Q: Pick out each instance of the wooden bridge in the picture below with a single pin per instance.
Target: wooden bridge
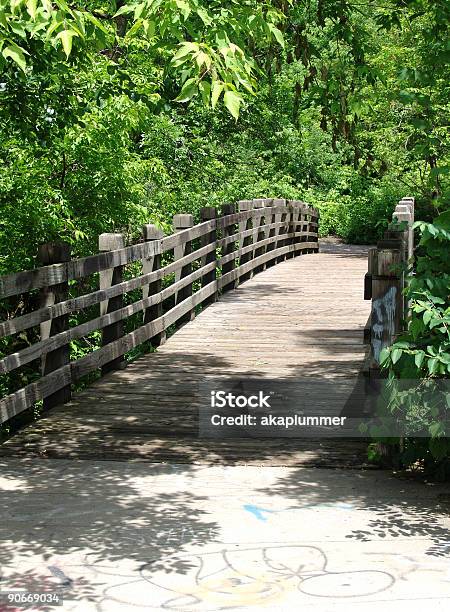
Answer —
(247, 294)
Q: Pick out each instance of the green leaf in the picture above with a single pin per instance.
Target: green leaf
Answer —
(443, 221)
(16, 53)
(232, 102)
(216, 90)
(184, 50)
(435, 429)
(432, 365)
(277, 34)
(66, 37)
(418, 359)
(396, 354)
(204, 16)
(427, 315)
(188, 91)
(384, 356)
(98, 24)
(32, 8)
(184, 7)
(124, 9)
(205, 90)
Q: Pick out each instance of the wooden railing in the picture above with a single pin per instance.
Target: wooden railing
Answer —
(161, 280)
(388, 268)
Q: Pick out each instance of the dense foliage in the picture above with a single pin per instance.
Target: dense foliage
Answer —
(113, 114)
(419, 361)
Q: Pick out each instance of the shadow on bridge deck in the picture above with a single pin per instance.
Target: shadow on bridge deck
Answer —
(300, 321)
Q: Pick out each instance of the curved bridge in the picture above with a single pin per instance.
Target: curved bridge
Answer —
(279, 308)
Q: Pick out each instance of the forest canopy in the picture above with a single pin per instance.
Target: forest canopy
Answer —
(113, 114)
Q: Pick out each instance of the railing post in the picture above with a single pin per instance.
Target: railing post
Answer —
(404, 212)
(271, 233)
(180, 223)
(228, 230)
(208, 213)
(151, 233)
(387, 299)
(51, 253)
(112, 276)
(282, 231)
(315, 216)
(265, 233)
(293, 220)
(258, 233)
(245, 205)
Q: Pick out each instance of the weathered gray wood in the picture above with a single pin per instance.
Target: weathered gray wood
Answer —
(387, 300)
(260, 223)
(244, 269)
(11, 362)
(124, 416)
(186, 233)
(245, 205)
(21, 282)
(151, 233)
(180, 224)
(259, 235)
(209, 213)
(113, 276)
(228, 243)
(280, 218)
(15, 403)
(51, 253)
(44, 314)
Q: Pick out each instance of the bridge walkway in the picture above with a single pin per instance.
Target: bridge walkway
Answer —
(301, 320)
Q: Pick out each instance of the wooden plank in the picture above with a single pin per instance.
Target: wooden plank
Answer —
(208, 213)
(11, 362)
(112, 276)
(51, 253)
(244, 205)
(242, 270)
(186, 233)
(44, 314)
(13, 404)
(228, 243)
(155, 311)
(17, 402)
(180, 223)
(22, 282)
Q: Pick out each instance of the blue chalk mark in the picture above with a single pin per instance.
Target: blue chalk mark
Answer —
(257, 511)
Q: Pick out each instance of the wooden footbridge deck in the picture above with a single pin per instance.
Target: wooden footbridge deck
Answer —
(246, 305)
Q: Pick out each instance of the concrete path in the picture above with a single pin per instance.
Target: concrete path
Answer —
(115, 536)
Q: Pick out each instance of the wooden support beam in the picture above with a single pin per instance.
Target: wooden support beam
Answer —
(228, 249)
(281, 218)
(153, 233)
(53, 253)
(108, 278)
(245, 205)
(387, 300)
(258, 233)
(208, 213)
(180, 223)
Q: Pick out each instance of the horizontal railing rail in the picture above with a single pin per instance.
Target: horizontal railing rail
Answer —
(161, 280)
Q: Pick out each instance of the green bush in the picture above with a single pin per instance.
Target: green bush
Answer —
(422, 353)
